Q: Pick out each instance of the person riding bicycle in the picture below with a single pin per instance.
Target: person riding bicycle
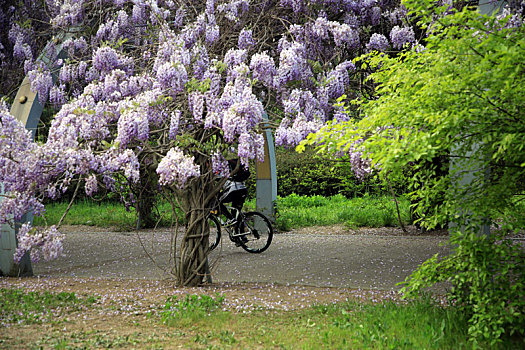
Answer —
(234, 189)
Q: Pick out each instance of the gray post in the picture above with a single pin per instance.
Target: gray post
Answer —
(266, 183)
(468, 170)
(27, 109)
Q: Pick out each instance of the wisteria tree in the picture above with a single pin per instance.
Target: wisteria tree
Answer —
(165, 91)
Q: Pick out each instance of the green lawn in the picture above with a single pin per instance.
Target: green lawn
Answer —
(199, 321)
(293, 212)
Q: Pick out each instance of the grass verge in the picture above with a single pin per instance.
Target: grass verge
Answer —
(302, 211)
(199, 322)
(293, 212)
(20, 307)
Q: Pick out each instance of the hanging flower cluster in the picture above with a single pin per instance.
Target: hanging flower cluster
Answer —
(180, 87)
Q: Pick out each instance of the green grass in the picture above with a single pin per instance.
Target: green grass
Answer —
(354, 324)
(100, 214)
(18, 306)
(199, 321)
(301, 211)
(293, 212)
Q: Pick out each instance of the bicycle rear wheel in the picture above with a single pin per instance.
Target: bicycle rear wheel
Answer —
(258, 233)
(215, 231)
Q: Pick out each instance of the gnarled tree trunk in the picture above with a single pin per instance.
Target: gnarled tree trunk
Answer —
(197, 200)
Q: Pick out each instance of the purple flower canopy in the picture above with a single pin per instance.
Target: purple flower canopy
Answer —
(180, 87)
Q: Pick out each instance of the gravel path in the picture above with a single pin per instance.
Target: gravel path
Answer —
(367, 259)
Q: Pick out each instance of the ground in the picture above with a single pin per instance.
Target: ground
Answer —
(123, 307)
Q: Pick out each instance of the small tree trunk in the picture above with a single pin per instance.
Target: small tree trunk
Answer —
(197, 198)
(145, 196)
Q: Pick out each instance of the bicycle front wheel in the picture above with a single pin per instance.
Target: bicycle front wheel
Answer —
(258, 233)
(215, 231)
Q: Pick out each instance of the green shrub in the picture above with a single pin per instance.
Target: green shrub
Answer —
(487, 274)
(308, 174)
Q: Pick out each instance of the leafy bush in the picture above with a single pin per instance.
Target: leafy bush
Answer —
(308, 174)
(487, 273)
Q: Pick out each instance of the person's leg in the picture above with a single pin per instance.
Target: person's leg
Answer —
(237, 203)
(238, 198)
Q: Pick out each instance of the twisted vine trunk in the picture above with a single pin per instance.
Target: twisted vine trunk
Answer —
(194, 247)
(197, 200)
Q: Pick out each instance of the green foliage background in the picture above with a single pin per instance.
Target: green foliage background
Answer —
(312, 174)
(462, 97)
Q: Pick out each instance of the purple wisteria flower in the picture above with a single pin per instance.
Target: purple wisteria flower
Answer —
(378, 42)
(47, 244)
(105, 59)
(41, 82)
(220, 165)
(263, 68)
(292, 64)
(246, 40)
(291, 133)
(91, 186)
(174, 124)
(176, 168)
(402, 36)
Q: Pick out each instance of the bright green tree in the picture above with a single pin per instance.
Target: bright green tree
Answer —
(461, 98)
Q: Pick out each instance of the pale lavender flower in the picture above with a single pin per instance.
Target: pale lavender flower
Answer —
(71, 14)
(321, 28)
(402, 36)
(57, 96)
(234, 57)
(219, 165)
(345, 34)
(202, 61)
(296, 5)
(74, 46)
(233, 9)
(179, 17)
(361, 166)
(139, 13)
(292, 64)
(176, 168)
(291, 133)
(250, 146)
(173, 76)
(174, 124)
(105, 59)
(129, 163)
(263, 68)
(212, 34)
(196, 104)
(302, 103)
(246, 40)
(378, 42)
(132, 125)
(47, 244)
(41, 82)
(91, 186)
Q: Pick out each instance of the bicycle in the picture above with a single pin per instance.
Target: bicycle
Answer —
(252, 230)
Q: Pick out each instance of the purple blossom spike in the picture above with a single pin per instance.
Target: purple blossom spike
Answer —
(402, 36)
(378, 42)
(246, 40)
(176, 168)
